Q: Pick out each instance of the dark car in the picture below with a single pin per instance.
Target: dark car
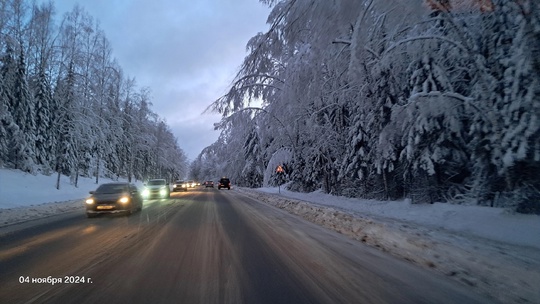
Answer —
(179, 185)
(114, 198)
(156, 188)
(224, 183)
(209, 184)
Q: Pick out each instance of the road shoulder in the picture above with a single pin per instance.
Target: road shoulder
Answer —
(507, 272)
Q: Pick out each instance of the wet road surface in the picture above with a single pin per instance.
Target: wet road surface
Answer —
(206, 246)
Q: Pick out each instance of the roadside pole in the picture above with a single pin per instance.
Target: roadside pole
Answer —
(279, 171)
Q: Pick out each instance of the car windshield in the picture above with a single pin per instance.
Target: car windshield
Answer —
(179, 181)
(156, 182)
(111, 188)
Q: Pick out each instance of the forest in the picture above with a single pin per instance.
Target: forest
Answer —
(66, 106)
(436, 101)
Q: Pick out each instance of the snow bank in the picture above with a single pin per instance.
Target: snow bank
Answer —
(26, 213)
(23, 189)
(497, 224)
(497, 266)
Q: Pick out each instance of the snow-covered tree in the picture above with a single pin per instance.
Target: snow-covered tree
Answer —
(505, 136)
(44, 135)
(66, 105)
(438, 103)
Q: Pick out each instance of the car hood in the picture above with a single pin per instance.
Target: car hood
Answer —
(108, 196)
(155, 186)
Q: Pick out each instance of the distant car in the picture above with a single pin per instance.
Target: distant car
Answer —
(156, 188)
(224, 183)
(209, 184)
(179, 185)
(114, 198)
(191, 184)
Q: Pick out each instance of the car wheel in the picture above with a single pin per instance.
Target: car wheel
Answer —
(229, 188)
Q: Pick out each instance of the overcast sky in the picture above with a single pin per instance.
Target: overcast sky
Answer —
(186, 52)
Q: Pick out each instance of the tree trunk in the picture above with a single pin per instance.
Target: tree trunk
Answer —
(97, 169)
(385, 181)
(58, 180)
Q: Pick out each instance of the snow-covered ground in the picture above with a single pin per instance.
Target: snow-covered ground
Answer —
(493, 250)
(24, 196)
(492, 223)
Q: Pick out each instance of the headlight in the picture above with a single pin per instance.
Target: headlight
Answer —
(162, 192)
(145, 192)
(90, 201)
(124, 200)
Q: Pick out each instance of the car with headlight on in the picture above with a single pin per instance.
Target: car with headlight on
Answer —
(179, 185)
(156, 188)
(191, 184)
(114, 198)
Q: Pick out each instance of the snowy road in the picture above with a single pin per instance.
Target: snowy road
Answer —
(206, 246)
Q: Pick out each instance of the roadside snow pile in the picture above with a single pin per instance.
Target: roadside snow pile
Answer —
(503, 270)
(26, 213)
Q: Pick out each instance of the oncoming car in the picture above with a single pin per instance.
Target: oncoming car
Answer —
(114, 198)
(156, 188)
(179, 185)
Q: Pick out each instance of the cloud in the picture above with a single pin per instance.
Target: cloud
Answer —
(195, 134)
(186, 52)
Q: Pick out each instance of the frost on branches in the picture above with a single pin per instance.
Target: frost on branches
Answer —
(66, 107)
(386, 99)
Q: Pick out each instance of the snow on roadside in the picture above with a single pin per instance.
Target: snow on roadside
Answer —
(492, 223)
(492, 250)
(26, 213)
(499, 267)
(24, 196)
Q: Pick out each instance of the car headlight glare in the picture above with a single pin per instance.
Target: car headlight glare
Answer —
(145, 192)
(124, 200)
(162, 192)
(90, 201)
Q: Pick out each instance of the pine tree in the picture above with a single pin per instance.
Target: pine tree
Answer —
(44, 134)
(65, 126)
(7, 126)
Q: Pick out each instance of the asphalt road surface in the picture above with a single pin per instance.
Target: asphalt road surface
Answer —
(205, 246)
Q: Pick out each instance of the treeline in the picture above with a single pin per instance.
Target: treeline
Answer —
(389, 99)
(66, 105)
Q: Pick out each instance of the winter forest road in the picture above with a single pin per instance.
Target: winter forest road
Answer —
(206, 246)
